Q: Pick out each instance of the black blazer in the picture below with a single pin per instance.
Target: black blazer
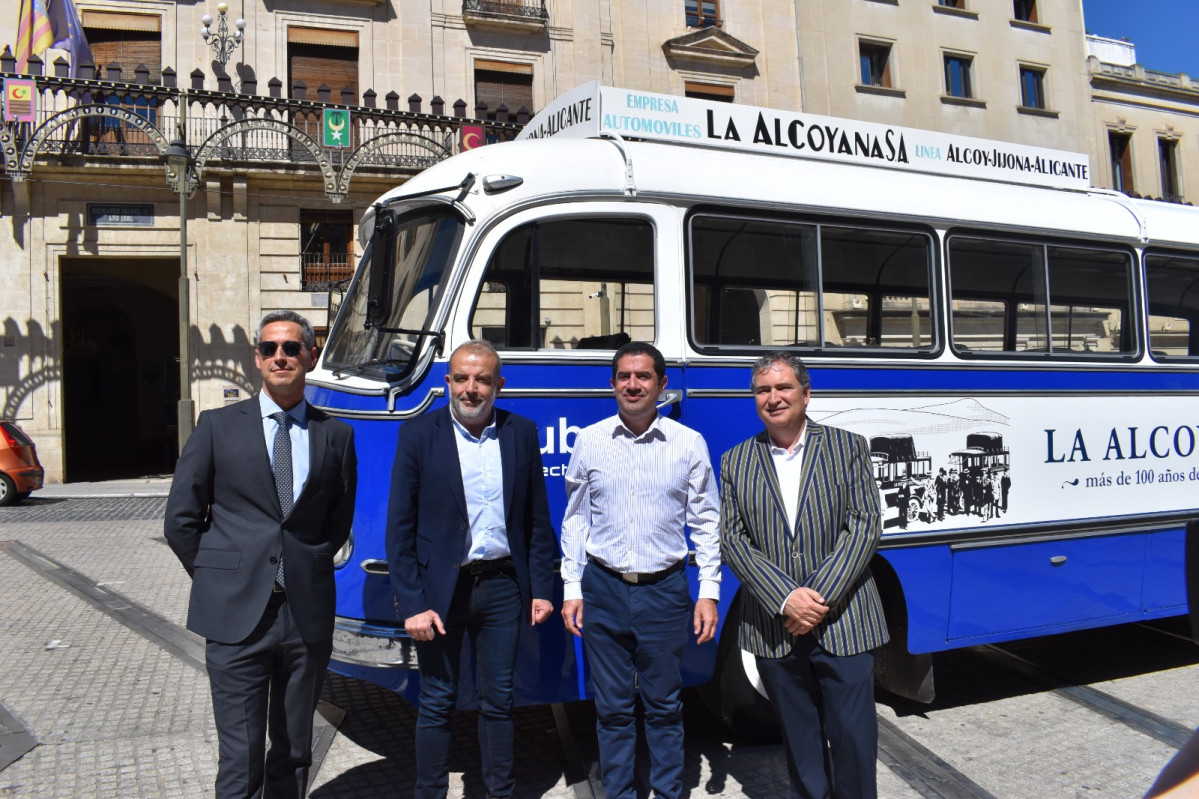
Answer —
(224, 522)
(427, 520)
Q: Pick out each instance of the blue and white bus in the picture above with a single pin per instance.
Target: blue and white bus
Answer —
(1020, 349)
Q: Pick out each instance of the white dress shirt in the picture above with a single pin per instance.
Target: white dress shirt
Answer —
(483, 482)
(788, 467)
(629, 497)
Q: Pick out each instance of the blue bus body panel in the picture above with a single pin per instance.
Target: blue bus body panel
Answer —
(1165, 574)
(954, 596)
(1030, 588)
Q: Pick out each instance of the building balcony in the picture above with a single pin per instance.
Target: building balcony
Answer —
(508, 16)
(94, 122)
(321, 272)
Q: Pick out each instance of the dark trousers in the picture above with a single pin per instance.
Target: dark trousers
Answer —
(634, 636)
(268, 684)
(489, 608)
(825, 707)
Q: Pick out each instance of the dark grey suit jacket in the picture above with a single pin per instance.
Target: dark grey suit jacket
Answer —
(224, 522)
(838, 528)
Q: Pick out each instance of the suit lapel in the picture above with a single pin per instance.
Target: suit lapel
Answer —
(318, 446)
(507, 438)
(451, 468)
(766, 467)
(813, 452)
(251, 433)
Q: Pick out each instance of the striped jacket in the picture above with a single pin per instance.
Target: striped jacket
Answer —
(839, 525)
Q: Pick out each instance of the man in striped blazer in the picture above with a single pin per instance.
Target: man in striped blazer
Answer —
(800, 521)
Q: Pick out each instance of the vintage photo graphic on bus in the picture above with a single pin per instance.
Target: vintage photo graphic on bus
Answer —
(942, 464)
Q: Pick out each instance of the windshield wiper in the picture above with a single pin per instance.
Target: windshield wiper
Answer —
(372, 364)
(438, 335)
(463, 189)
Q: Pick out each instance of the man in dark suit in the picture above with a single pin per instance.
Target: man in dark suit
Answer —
(262, 499)
(470, 549)
(800, 521)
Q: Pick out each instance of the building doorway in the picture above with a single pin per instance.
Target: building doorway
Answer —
(120, 366)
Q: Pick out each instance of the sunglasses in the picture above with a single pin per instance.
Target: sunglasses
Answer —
(290, 348)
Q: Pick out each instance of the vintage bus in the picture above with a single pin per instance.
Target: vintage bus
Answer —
(942, 291)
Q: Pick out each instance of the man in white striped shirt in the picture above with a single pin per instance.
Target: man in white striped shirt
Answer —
(634, 483)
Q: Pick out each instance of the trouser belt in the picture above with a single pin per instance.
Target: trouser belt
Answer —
(478, 567)
(640, 578)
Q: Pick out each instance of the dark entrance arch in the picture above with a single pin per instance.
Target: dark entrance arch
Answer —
(120, 366)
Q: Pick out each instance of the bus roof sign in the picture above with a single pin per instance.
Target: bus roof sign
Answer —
(592, 110)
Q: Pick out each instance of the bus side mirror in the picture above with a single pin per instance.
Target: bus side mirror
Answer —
(382, 270)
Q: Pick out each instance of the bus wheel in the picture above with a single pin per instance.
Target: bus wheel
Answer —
(735, 693)
(913, 510)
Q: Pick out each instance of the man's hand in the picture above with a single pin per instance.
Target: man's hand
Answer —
(803, 610)
(706, 616)
(423, 626)
(542, 608)
(572, 614)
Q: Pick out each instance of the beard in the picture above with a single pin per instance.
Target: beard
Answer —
(468, 415)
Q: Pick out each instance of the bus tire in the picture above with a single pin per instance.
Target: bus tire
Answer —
(735, 694)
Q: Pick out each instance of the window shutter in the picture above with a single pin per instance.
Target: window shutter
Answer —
(511, 86)
(318, 64)
(128, 48)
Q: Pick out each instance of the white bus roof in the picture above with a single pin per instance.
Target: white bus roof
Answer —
(574, 168)
(593, 110)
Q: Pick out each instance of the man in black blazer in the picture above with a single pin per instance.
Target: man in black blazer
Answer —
(800, 521)
(470, 550)
(262, 499)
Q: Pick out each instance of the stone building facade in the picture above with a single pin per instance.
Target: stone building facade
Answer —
(90, 233)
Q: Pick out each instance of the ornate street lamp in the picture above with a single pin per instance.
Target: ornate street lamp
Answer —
(179, 161)
(221, 42)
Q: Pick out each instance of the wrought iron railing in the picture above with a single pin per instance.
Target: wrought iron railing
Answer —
(534, 9)
(240, 127)
(320, 272)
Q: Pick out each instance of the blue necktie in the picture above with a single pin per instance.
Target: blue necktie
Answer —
(282, 466)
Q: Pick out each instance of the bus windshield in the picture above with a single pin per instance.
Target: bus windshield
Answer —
(425, 243)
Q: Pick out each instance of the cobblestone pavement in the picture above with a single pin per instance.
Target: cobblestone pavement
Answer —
(115, 713)
(103, 694)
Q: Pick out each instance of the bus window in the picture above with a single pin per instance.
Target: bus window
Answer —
(756, 279)
(1173, 287)
(1016, 297)
(569, 284)
(1091, 291)
(876, 287)
(770, 283)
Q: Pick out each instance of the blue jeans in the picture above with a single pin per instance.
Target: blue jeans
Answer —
(634, 636)
(489, 608)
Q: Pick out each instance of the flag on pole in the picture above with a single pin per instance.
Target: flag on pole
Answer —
(68, 33)
(34, 34)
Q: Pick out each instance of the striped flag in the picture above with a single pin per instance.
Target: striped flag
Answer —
(34, 34)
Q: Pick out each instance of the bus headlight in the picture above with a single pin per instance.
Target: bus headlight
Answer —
(342, 556)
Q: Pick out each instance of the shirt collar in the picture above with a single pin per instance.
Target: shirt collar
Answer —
(488, 432)
(269, 407)
(654, 430)
(796, 448)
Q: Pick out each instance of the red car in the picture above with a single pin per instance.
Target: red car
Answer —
(20, 472)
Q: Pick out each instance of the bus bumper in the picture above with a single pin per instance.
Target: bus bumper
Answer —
(362, 644)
